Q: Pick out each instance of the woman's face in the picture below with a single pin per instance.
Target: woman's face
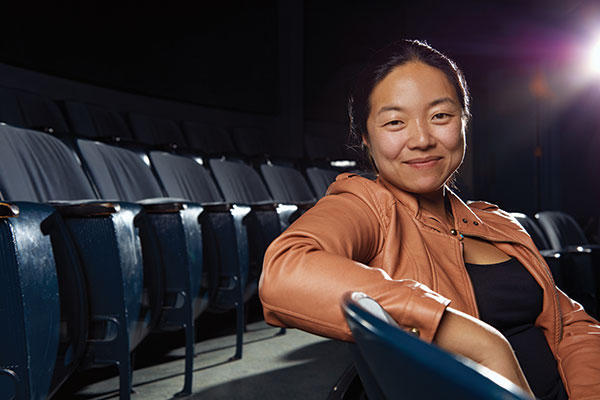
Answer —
(416, 135)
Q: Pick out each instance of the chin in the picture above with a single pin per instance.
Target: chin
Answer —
(426, 187)
(421, 189)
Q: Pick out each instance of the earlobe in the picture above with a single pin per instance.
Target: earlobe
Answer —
(364, 142)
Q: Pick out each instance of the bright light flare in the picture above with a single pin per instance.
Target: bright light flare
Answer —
(593, 57)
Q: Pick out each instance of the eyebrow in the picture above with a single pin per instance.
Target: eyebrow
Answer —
(432, 104)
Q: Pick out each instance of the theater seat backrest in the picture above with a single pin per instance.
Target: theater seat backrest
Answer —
(108, 123)
(287, 184)
(41, 112)
(251, 141)
(538, 237)
(119, 174)
(10, 112)
(38, 167)
(320, 179)
(239, 183)
(185, 178)
(382, 349)
(561, 229)
(80, 120)
(30, 307)
(156, 131)
(207, 138)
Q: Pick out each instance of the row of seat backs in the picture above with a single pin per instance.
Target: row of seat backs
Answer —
(573, 262)
(53, 173)
(95, 122)
(554, 230)
(29, 110)
(40, 168)
(121, 174)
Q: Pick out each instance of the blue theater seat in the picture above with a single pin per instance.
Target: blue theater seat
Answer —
(223, 230)
(10, 112)
(553, 258)
(581, 275)
(252, 142)
(241, 184)
(173, 235)
(88, 120)
(561, 230)
(287, 185)
(30, 314)
(571, 269)
(320, 179)
(393, 364)
(325, 142)
(185, 178)
(325, 145)
(276, 162)
(157, 132)
(537, 235)
(124, 174)
(80, 120)
(37, 167)
(207, 139)
(41, 113)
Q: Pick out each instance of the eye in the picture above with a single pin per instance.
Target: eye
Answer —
(441, 116)
(395, 122)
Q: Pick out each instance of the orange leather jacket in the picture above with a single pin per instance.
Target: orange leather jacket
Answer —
(372, 237)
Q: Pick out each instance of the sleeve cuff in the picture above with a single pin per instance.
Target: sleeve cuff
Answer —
(423, 311)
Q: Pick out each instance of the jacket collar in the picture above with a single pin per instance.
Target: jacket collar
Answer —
(466, 221)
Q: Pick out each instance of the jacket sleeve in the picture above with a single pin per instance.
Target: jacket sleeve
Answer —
(324, 255)
(579, 350)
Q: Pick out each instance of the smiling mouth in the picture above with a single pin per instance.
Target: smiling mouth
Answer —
(423, 162)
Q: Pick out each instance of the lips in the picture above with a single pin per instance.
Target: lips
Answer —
(423, 161)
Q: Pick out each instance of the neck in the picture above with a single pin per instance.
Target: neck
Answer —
(435, 203)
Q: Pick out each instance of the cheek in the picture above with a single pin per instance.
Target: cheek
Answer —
(387, 144)
(452, 137)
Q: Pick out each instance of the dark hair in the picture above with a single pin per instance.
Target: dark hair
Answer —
(381, 64)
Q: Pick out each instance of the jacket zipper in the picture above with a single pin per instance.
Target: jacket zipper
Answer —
(556, 299)
(466, 274)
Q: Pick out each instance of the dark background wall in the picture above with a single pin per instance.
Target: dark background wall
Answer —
(534, 135)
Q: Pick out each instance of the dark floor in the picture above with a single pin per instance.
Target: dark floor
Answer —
(296, 365)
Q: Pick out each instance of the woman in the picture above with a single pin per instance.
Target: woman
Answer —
(410, 243)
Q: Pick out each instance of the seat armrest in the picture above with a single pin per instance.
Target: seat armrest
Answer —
(584, 248)
(85, 209)
(217, 207)
(552, 253)
(305, 205)
(264, 207)
(164, 208)
(8, 210)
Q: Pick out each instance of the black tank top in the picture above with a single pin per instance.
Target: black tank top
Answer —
(509, 299)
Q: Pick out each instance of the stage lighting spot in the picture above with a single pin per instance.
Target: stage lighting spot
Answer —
(594, 57)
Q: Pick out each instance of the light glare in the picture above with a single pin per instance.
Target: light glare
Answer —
(593, 62)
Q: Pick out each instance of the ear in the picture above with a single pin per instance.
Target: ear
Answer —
(365, 142)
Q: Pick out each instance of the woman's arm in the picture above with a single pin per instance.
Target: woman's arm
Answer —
(323, 255)
(578, 352)
(462, 334)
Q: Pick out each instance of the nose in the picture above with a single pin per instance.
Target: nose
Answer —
(420, 137)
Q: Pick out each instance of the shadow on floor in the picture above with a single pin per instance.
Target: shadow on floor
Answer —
(313, 379)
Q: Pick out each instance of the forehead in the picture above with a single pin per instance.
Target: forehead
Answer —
(412, 84)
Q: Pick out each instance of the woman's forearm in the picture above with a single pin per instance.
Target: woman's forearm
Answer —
(462, 334)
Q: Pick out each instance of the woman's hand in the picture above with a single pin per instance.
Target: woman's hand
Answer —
(462, 334)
